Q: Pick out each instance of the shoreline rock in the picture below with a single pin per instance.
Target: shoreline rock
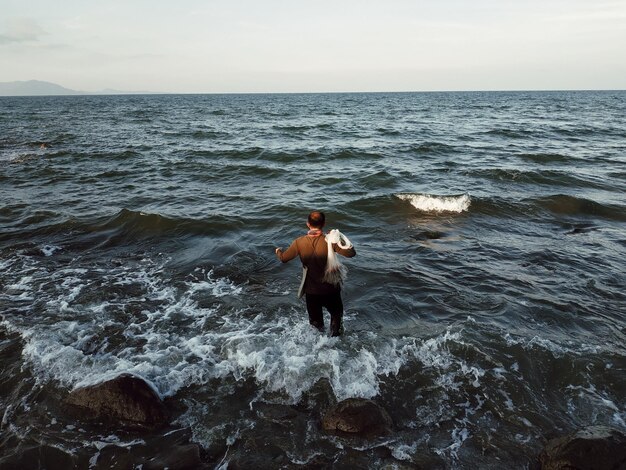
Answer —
(593, 447)
(357, 417)
(127, 399)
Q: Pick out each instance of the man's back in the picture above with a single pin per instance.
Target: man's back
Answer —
(313, 252)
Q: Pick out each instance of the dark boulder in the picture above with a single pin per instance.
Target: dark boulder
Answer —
(172, 450)
(27, 455)
(357, 417)
(590, 448)
(180, 457)
(127, 399)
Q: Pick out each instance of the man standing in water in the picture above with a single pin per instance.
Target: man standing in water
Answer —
(313, 252)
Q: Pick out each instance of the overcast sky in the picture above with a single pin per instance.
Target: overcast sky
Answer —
(215, 46)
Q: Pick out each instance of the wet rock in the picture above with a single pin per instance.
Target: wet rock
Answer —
(593, 447)
(259, 454)
(358, 417)
(180, 457)
(31, 455)
(126, 399)
(319, 397)
(172, 450)
(177, 452)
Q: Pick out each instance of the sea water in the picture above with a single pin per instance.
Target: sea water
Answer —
(484, 309)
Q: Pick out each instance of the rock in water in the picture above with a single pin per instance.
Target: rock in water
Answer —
(359, 417)
(126, 398)
(593, 447)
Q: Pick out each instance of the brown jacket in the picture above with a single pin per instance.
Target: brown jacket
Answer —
(313, 252)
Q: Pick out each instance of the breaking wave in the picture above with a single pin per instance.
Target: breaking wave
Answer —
(180, 334)
(431, 203)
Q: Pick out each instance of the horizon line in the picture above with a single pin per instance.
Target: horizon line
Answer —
(164, 93)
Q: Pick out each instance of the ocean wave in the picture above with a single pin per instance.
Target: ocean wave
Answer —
(277, 156)
(563, 204)
(579, 133)
(375, 206)
(253, 171)
(544, 177)
(353, 153)
(78, 155)
(126, 225)
(545, 157)
(300, 128)
(430, 148)
(558, 204)
(206, 134)
(387, 131)
(377, 179)
(142, 224)
(8, 142)
(510, 133)
(432, 203)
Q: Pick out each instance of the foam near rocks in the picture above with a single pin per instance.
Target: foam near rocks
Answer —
(175, 341)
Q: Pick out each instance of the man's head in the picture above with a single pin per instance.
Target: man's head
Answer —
(316, 219)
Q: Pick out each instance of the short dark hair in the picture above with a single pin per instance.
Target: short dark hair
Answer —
(317, 219)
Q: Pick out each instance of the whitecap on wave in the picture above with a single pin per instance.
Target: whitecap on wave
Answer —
(432, 203)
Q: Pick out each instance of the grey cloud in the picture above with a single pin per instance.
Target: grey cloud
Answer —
(20, 30)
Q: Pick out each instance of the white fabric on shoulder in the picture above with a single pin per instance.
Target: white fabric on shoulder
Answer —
(336, 273)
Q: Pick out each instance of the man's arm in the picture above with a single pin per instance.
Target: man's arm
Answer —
(347, 252)
(288, 255)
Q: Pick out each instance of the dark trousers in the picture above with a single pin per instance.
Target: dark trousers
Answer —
(332, 303)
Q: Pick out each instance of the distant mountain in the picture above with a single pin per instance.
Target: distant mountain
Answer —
(39, 88)
(34, 88)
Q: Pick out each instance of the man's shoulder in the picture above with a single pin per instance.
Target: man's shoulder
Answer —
(306, 239)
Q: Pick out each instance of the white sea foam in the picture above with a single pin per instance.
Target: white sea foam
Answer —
(579, 398)
(458, 436)
(289, 357)
(6, 263)
(403, 451)
(432, 203)
(507, 400)
(24, 284)
(567, 347)
(49, 250)
(219, 287)
(170, 346)
(178, 341)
